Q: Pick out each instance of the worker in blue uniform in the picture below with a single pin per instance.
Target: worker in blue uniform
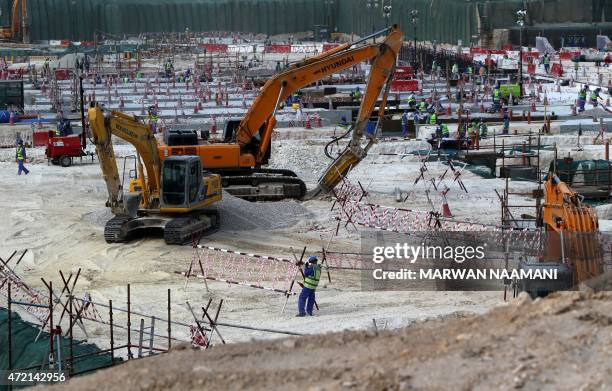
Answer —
(405, 123)
(20, 156)
(312, 275)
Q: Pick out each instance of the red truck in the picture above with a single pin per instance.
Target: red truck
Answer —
(61, 149)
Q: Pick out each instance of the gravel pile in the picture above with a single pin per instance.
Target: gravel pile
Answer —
(240, 215)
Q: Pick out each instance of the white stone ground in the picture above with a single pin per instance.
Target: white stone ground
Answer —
(58, 214)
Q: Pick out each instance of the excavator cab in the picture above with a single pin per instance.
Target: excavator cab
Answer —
(185, 186)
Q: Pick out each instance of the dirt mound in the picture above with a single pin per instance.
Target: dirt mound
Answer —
(561, 342)
(240, 215)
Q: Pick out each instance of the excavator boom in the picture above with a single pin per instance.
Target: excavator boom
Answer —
(302, 74)
(139, 135)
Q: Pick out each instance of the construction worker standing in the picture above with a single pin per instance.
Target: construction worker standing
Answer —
(482, 127)
(312, 275)
(153, 118)
(582, 97)
(405, 123)
(411, 101)
(506, 128)
(433, 119)
(423, 106)
(455, 71)
(20, 156)
(496, 98)
(357, 94)
(445, 131)
(546, 62)
(595, 96)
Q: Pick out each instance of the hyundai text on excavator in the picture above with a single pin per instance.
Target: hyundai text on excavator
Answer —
(173, 195)
(571, 241)
(246, 144)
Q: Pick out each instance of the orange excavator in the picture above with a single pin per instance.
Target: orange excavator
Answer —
(19, 27)
(246, 146)
(572, 244)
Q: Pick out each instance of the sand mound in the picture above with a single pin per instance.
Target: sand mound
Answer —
(561, 343)
(240, 215)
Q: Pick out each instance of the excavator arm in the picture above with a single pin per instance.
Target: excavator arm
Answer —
(381, 73)
(261, 116)
(139, 135)
(572, 230)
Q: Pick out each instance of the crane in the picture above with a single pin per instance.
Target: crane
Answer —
(245, 147)
(174, 195)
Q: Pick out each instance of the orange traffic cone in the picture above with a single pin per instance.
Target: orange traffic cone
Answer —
(307, 122)
(317, 120)
(448, 109)
(195, 108)
(446, 212)
(213, 127)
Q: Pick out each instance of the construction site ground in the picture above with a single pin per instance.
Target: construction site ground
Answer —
(563, 342)
(59, 215)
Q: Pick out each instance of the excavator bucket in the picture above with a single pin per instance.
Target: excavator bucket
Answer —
(335, 172)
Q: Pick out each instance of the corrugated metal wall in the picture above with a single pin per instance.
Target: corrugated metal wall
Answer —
(440, 20)
(78, 19)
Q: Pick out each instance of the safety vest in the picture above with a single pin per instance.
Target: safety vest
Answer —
(594, 96)
(357, 94)
(153, 117)
(445, 132)
(433, 119)
(311, 282)
(546, 60)
(410, 100)
(455, 68)
(496, 94)
(20, 153)
(469, 70)
(422, 107)
(582, 94)
(474, 128)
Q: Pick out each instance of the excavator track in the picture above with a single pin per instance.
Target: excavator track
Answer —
(181, 230)
(262, 184)
(265, 187)
(113, 232)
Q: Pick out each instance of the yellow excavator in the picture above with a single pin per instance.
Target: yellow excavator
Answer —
(245, 147)
(571, 245)
(174, 195)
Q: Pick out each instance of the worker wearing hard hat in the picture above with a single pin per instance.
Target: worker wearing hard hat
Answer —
(20, 156)
(312, 275)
